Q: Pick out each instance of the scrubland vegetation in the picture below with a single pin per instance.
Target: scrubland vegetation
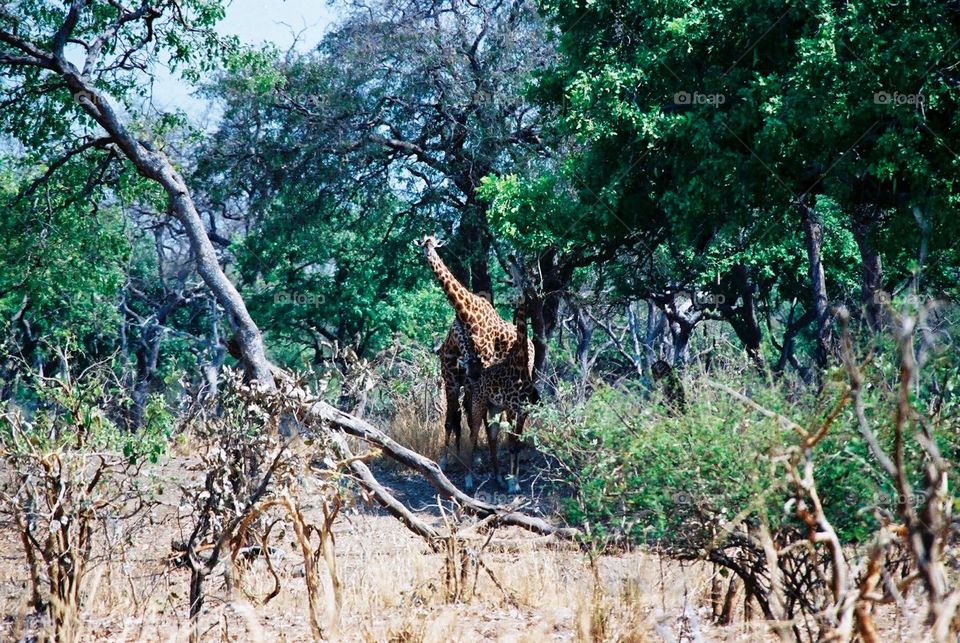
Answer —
(732, 227)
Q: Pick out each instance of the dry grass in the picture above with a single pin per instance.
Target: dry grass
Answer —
(418, 425)
(393, 589)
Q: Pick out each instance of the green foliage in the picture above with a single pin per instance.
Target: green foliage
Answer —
(66, 193)
(537, 213)
(641, 473)
(42, 115)
(696, 128)
(314, 278)
(84, 411)
(338, 159)
(64, 260)
(154, 436)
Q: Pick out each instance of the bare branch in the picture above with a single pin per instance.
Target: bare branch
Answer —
(31, 50)
(411, 149)
(784, 421)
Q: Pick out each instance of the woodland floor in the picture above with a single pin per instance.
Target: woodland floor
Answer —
(394, 587)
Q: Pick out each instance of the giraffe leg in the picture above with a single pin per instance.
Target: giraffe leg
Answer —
(452, 383)
(468, 394)
(500, 424)
(493, 432)
(478, 417)
(513, 444)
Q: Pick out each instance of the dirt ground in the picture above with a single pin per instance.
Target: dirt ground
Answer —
(525, 587)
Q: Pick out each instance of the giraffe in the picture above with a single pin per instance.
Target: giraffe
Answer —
(477, 322)
(507, 387)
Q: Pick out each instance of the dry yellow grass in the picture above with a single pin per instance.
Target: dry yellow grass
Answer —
(394, 590)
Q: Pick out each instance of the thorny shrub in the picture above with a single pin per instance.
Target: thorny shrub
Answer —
(70, 472)
(256, 476)
(785, 488)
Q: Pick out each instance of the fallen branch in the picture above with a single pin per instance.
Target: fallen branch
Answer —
(314, 413)
(430, 470)
(394, 507)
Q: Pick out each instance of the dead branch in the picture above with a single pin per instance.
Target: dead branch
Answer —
(317, 413)
(784, 421)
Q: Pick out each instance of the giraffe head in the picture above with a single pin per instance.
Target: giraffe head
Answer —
(429, 243)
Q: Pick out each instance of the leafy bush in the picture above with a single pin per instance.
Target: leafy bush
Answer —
(643, 474)
(640, 473)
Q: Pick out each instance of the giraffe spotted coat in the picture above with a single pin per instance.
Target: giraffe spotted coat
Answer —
(476, 321)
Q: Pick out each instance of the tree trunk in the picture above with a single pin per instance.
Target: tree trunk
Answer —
(789, 339)
(196, 604)
(680, 332)
(656, 324)
(543, 303)
(729, 600)
(871, 270)
(639, 356)
(924, 225)
(538, 322)
(682, 317)
(215, 354)
(148, 355)
(813, 234)
(585, 329)
(157, 167)
(473, 268)
(743, 318)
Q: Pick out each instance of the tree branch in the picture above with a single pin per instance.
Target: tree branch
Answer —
(411, 149)
(56, 165)
(66, 29)
(31, 50)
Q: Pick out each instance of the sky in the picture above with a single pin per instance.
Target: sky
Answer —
(254, 22)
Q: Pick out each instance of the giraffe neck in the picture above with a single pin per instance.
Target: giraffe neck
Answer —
(463, 301)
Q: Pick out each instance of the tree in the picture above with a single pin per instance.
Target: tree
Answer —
(322, 243)
(58, 98)
(420, 100)
(740, 125)
(49, 228)
(110, 39)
